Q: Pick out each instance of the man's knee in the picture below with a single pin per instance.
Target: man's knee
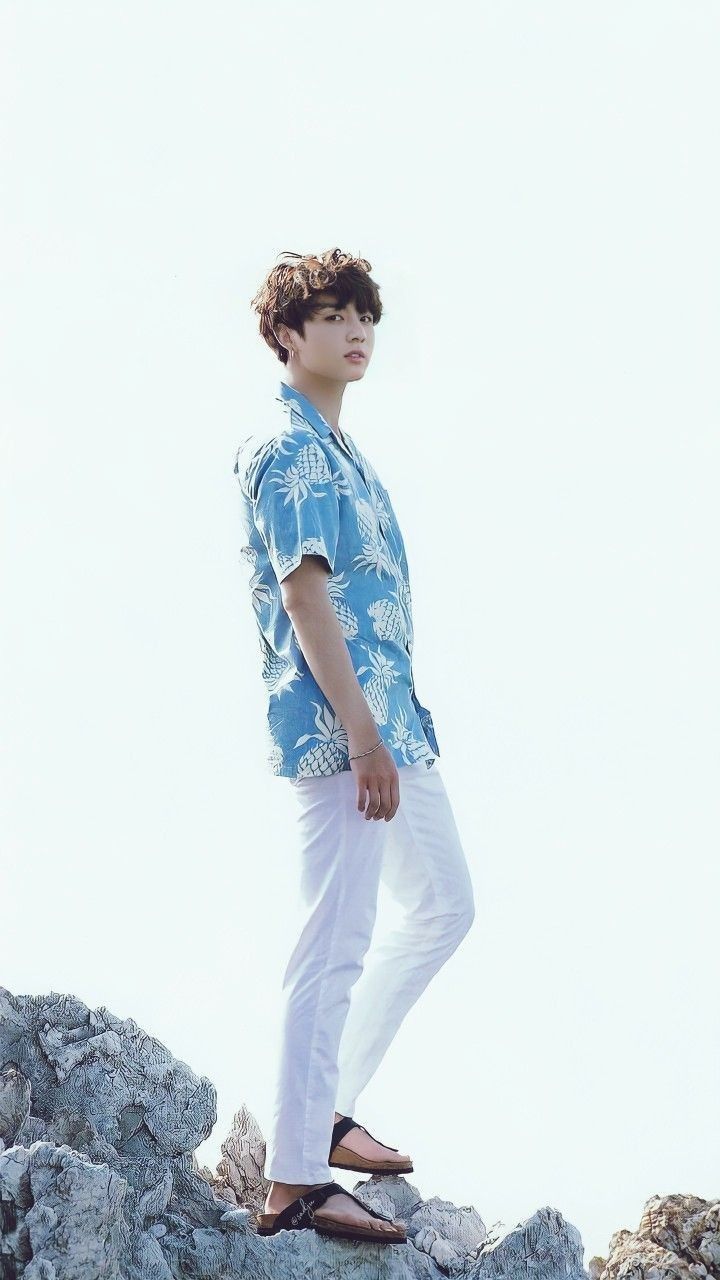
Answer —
(465, 915)
(458, 919)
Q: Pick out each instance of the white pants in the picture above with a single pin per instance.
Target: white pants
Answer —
(331, 1045)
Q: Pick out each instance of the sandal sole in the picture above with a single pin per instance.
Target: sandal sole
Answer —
(369, 1167)
(385, 1238)
(349, 1234)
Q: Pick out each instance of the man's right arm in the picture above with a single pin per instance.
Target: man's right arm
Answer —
(321, 639)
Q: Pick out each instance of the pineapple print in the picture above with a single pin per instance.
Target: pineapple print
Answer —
(377, 491)
(367, 521)
(330, 753)
(293, 408)
(412, 748)
(249, 444)
(375, 556)
(377, 686)
(406, 602)
(277, 672)
(383, 513)
(310, 468)
(260, 592)
(377, 553)
(275, 758)
(388, 619)
(407, 598)
(343, 488)
(344, 614)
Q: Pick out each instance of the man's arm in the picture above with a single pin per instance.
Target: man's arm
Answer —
(320, 637)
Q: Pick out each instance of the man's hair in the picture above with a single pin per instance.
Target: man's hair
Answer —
(288, 294)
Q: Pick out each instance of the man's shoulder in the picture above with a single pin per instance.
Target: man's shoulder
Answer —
(276, 438)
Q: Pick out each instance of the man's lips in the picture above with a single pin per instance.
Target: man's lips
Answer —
(354, 355)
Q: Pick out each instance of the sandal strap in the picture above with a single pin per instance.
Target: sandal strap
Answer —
(382, 1144)
(367, 1207)
(343, 1126)
(300, 1212)
(340, 1128)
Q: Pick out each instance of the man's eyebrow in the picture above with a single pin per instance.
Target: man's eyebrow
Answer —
(330, 306)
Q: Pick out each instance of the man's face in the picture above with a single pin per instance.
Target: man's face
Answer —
(329, 335)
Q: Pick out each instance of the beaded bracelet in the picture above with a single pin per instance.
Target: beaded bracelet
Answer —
(366, 753)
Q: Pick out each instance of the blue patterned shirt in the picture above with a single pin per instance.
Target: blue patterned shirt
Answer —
(307, 492)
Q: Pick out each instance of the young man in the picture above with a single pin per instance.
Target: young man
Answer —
(331, 594)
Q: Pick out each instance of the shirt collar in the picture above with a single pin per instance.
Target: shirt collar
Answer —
(307, 408)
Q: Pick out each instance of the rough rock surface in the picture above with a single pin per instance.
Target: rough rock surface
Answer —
(98, 1178)
(678, 1236)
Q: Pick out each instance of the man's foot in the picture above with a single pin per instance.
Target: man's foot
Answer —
(339, 1207)
(363, 1145)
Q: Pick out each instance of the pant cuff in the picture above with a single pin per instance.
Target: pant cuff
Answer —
(276, 1173)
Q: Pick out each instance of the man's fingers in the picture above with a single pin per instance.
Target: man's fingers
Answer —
(373, 802)
(384, 806)
(394, 798)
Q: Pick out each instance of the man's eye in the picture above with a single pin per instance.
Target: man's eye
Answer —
(339, 313)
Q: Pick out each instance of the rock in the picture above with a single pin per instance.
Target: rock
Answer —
(14, 1101)
(543, 1245)
(99, 1178)
(62, 1210)
(678, 1238)
(446, 1233)
(239, 1176)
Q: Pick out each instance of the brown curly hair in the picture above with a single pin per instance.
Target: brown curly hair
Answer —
(287, 295)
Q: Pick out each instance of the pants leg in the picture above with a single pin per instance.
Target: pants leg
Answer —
(341, 857)
(425, 869)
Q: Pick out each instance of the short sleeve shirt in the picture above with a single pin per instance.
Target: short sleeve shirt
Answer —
(305, 490)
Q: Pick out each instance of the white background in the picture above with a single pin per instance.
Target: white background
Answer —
(535, 187)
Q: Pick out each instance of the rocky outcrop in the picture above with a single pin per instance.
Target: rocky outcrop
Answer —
(98, 1178)
(678, 1238)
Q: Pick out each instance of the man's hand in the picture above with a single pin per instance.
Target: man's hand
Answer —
(377, 782)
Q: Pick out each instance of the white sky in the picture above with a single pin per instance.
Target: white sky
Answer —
(535, 187)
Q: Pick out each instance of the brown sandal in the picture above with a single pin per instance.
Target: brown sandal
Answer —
(302, 1213)
(350, 1160)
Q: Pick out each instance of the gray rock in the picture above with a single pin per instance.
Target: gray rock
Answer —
(98, 1178)
(543, 1245)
